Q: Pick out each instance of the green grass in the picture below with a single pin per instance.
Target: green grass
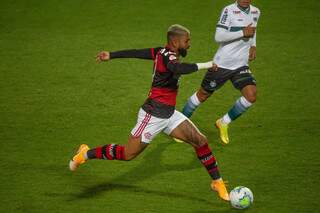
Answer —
(53, 96)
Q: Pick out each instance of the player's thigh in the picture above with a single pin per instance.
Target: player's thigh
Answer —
(213, 80)
(182, 128)
(148, 126)
(243, 78)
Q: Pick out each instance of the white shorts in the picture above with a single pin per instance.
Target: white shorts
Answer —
(149, 126)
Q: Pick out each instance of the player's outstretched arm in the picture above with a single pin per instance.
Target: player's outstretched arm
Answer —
(148, 53)
(187, 68)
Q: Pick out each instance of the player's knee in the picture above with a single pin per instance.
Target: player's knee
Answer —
(202, 140)
(131, 156)
(203, 95)
(251, 97)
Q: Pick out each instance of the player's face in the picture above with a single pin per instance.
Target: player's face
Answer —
(184, 42)
(244, 3)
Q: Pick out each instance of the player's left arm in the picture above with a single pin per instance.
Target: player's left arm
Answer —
(253, 48)
(148, 53)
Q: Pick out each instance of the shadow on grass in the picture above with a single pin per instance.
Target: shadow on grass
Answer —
(92, 191)
(152, 164)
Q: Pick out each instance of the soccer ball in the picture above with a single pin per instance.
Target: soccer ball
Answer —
(241, 197)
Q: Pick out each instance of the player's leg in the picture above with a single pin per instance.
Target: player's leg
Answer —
(245, 82)
(194, 101)
(108, 152)
(212, 81)
(182, 128)
(146, 129)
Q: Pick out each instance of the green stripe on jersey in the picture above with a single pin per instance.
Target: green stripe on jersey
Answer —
(235, 29)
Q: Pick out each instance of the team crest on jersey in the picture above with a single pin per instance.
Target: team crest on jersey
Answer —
(255, 19)
(213, 84)
(236, 12)
(148, 135)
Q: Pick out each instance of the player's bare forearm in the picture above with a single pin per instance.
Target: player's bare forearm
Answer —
(252, 53)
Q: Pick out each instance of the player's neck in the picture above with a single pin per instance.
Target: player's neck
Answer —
(242, 8)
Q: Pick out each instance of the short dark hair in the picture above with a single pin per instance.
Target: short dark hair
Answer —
(176, 30)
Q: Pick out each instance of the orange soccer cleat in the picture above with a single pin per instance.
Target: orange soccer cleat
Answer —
(78, 158)
(220, 187)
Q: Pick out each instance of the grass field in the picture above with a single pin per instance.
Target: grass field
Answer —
(53, 96)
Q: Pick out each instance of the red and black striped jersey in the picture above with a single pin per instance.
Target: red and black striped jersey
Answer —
(167, 70)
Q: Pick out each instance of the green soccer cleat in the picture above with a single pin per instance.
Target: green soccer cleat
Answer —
(178, 140)
(223, 131)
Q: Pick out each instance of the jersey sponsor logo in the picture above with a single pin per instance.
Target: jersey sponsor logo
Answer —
(172, 57)
(224, 17)
(240, 19)
(245, 71)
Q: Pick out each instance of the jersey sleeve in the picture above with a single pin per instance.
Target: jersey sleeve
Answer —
(224, 21)
(256, 19)
(176, 67)
(222, 33)
(148, 53)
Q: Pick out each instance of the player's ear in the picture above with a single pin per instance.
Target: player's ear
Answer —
(176, 41)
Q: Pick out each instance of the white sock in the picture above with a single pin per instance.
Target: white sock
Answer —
(226, 119)
(195, 100)
(245, 102)
(85, 156)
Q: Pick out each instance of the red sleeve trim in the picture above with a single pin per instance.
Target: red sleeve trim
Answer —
(152, 53)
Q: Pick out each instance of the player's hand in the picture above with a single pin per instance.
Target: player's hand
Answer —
(249, 31)
(252, 53)
(214, 67)
(103, 56)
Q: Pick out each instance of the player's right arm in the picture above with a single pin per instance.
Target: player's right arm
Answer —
(173, 64)
(223, 33)
(148, 53)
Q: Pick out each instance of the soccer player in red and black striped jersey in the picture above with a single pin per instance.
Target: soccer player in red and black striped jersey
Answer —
(158, 113)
